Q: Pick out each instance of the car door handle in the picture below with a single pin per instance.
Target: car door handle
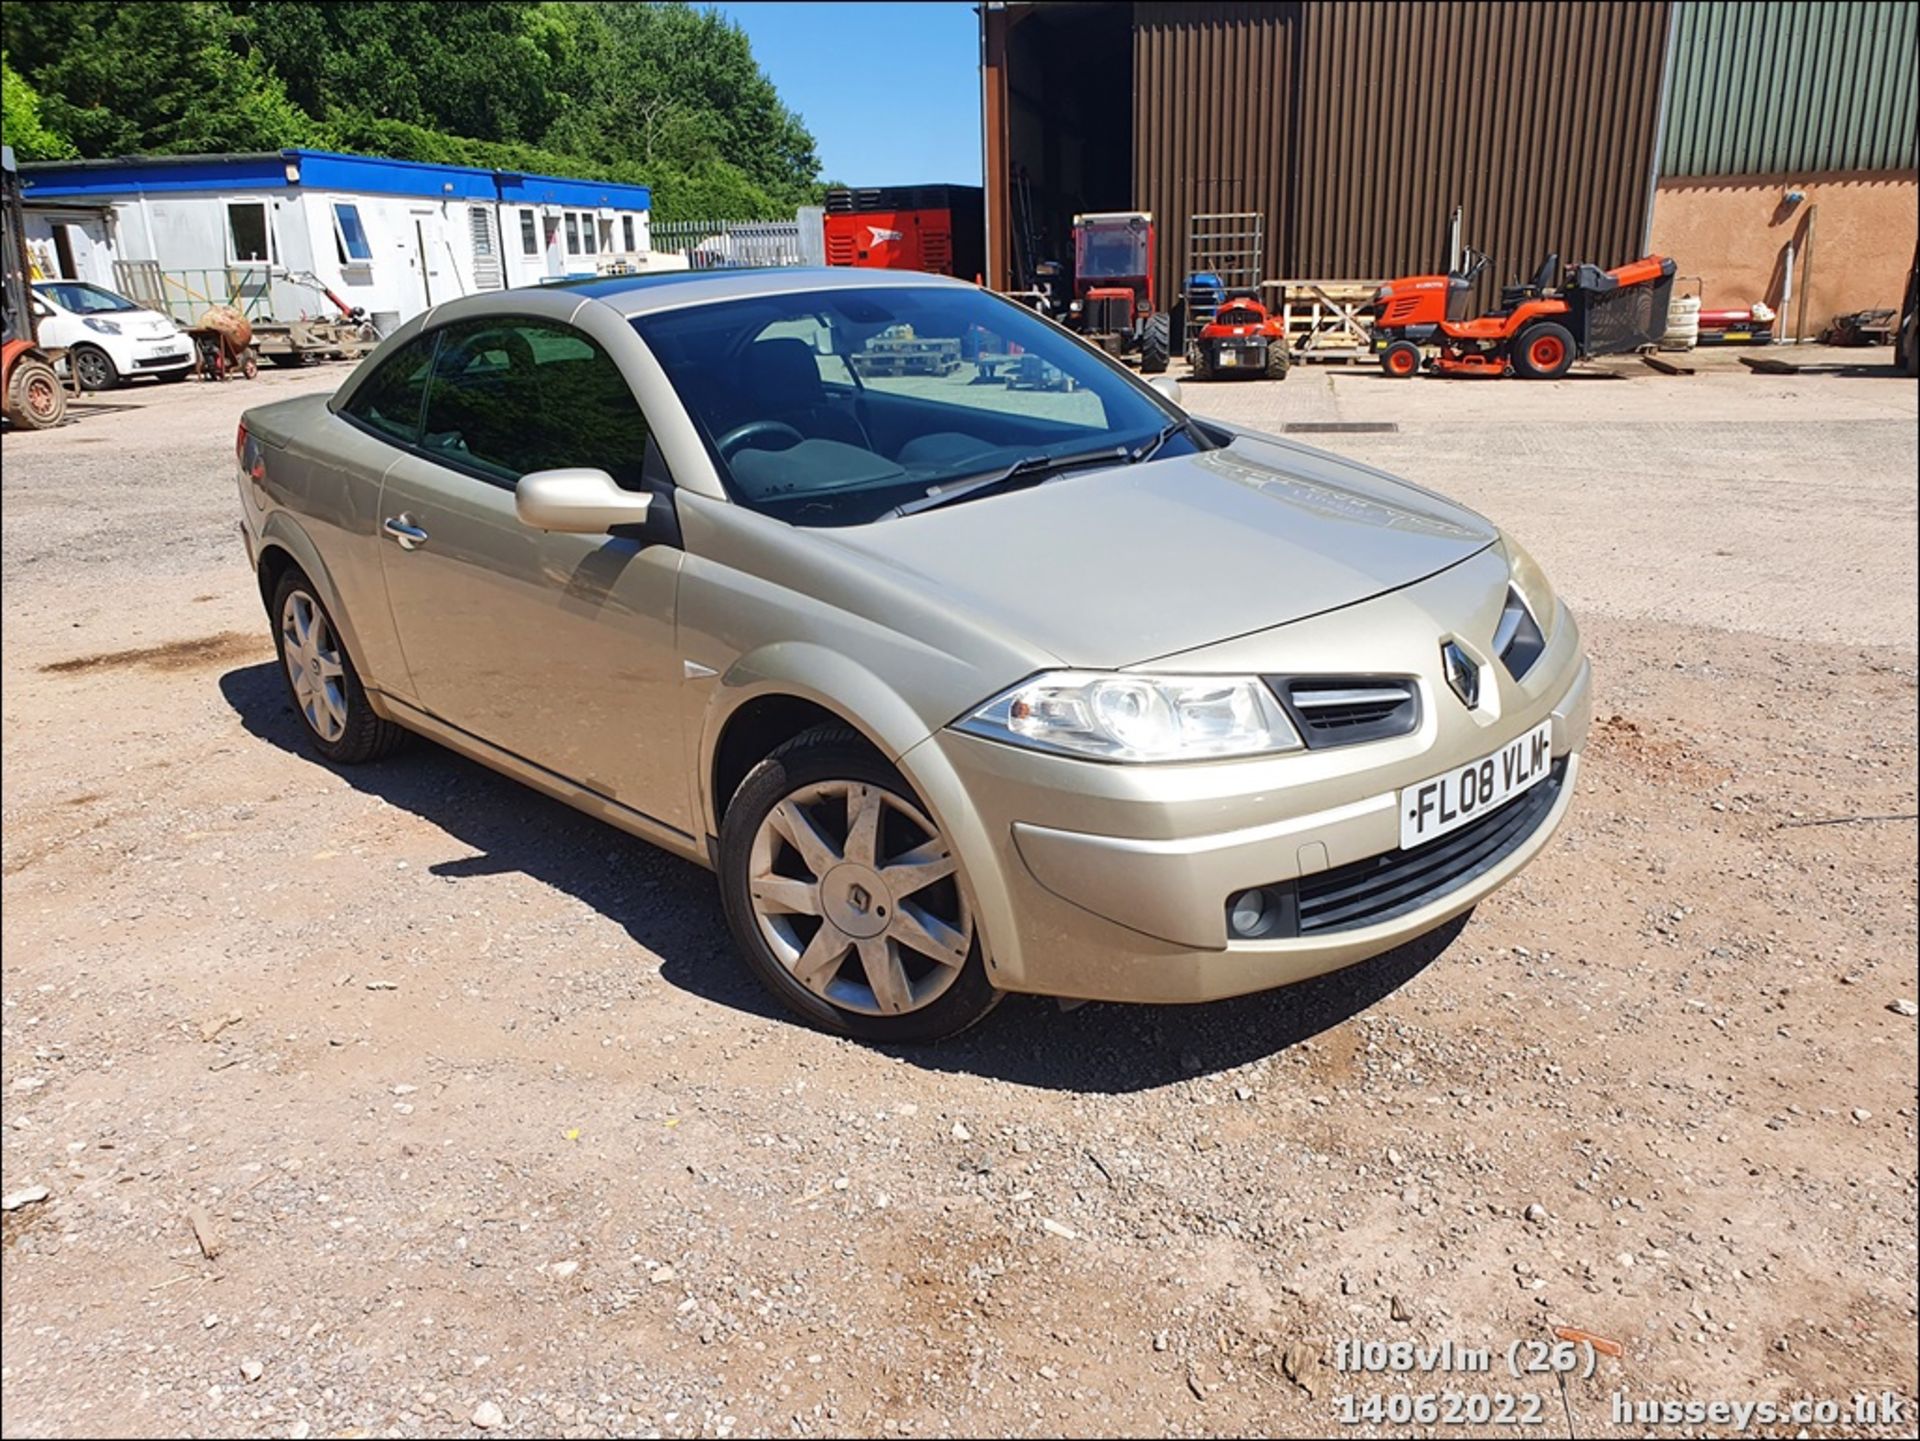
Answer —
(402, 529)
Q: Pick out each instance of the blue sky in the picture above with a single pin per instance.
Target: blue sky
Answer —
(890, 91)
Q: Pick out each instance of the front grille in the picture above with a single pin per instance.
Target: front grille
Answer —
(1382, 887)
(1108, 315)
(1346, 710)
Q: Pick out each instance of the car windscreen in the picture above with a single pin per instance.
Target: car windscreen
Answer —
(84, 299)
(834, 407)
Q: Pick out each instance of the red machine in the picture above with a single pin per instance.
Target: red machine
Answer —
(1113, 301)
(1243, 338)
(935, 228)
(32, 394)
(1540, 329)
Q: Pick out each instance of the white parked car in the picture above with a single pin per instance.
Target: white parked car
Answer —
(107, 337)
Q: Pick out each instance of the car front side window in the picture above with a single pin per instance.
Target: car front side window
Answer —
(512, 396)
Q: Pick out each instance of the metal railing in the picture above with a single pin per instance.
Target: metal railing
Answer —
(731, 244)
(185, 295)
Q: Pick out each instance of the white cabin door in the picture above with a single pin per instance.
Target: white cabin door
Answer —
(426, 236)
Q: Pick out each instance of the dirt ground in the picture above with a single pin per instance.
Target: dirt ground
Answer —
(485, 1128)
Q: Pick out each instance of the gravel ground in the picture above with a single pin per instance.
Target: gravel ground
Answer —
(403, 1101)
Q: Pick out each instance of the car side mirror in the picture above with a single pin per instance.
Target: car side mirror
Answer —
(1168, 387)
(578, 500)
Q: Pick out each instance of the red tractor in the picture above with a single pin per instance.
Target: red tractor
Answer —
(1113, 303)
(1538, 332)
(1242, 338)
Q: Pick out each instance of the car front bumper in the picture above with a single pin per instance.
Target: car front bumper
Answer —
(1105, 882)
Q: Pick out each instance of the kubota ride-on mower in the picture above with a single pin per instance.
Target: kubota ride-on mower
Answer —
(1242, 338)
(1113, 302)
(1538, 332)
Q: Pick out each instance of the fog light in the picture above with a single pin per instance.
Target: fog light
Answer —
(1252, 914)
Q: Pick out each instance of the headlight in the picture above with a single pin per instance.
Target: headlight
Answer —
(1385, 292)
(1112, 716)
(1531, 582)
(105, 327)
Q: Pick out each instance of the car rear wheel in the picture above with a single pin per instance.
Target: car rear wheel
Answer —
(93, 368)
(846, 898)
(322, 681)
(1543, 351)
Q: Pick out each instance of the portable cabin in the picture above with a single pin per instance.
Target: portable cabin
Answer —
(273, 232)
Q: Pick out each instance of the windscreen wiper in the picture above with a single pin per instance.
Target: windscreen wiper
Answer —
(1147, 449)
(1029, 470)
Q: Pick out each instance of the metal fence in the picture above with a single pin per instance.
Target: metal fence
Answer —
(733, 244)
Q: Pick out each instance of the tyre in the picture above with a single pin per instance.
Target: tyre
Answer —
(1278, 360)
(1543, 351)
(249, 363)
(36, 396)
(1156, 343)
(1201, 359)
(1401, 359)
(845, 898)
(93, 368)
(286, 359)
(321, 679)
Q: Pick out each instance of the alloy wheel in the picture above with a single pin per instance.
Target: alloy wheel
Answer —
(93, 370)
(314, 666)
(856, 892)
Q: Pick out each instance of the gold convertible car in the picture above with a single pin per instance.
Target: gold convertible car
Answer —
(970, 662)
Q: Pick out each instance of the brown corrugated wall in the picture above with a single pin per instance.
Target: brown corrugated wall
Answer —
(1355, 127)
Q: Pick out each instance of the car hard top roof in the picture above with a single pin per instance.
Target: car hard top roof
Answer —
(631, 295)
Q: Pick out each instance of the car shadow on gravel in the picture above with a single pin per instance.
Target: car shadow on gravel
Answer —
(670, 907)
(1113, 1048)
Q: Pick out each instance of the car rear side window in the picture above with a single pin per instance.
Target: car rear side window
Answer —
(510, 396)
(390, 400)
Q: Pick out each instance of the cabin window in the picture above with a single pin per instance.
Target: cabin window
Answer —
(349, 235)
(247, 232)
(626, 230)
(573, 233)
(589, 227)
(529, 233)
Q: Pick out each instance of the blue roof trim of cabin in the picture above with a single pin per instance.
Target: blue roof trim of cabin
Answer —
(319, 170)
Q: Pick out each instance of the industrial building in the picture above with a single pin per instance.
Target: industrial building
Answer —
(1769, 147)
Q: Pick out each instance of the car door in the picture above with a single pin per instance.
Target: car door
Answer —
(557, 648)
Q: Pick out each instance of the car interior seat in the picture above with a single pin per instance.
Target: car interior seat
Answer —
(783, 378)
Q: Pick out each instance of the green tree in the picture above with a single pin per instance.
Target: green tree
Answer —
(20, 122)
(126, 79)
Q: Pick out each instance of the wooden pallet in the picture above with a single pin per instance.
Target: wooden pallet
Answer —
(889, 356)
(1325, 319)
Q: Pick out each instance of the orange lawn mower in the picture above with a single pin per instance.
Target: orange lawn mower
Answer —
(1242, 338)
(1538, 332)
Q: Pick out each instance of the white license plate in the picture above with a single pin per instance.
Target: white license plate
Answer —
(1447, 802)
(1227, 357)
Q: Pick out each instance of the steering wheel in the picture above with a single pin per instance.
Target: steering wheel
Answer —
(737, 438)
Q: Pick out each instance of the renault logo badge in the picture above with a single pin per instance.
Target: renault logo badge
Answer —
(1462, 674)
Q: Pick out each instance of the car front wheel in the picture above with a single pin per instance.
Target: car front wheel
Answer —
(846, 898)
(93, 368)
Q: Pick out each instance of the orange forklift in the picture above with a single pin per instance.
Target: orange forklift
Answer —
(32, 394)
(1538, 332)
